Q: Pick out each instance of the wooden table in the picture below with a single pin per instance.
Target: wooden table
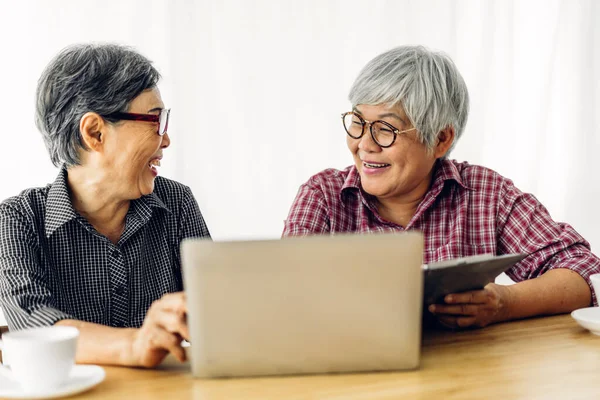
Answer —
(544, 358)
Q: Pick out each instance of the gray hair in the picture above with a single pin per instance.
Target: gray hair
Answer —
(100, 78)
(426, 84)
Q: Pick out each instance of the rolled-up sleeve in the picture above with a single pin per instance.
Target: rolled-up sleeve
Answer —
(525, 226)
(24, 294)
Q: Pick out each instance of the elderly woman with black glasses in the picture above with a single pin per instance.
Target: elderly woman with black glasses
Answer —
(98, 249)
(409, 108)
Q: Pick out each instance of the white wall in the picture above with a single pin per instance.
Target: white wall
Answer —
(257, 87)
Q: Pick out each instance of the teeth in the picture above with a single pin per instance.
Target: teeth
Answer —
(369, 165)
(155, 163)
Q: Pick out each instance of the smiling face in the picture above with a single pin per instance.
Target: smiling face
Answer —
(402, 171)
(133, 149)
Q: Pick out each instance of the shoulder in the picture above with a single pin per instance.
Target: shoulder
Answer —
(330, 180)
(323, 190)
(183, 207)
(171, 192)
(30, 203)
(23, 217)
(480, 178)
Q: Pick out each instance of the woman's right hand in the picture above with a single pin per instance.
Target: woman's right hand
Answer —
(163, 329)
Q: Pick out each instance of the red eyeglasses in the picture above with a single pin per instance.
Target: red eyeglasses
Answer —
(161, 119)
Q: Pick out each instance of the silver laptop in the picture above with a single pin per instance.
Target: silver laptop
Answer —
(321, 304)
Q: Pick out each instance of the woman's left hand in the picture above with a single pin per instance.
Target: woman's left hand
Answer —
(476, 308)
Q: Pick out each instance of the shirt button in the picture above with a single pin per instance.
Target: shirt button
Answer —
(115, 254)
(120, 290)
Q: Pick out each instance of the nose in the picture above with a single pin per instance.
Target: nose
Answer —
(166, 141)
(366, 141)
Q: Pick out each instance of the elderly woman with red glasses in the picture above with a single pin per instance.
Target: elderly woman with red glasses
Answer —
(98, 248)
(409, 108)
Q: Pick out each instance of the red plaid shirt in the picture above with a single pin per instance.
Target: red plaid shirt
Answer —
(468, 210)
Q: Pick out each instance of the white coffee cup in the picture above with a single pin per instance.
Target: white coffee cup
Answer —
(595, 278)
(40, 359)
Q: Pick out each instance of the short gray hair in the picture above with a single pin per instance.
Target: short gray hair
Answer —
(426, 84)
(101, 78)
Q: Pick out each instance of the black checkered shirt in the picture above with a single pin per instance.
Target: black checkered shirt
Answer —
(54, 265)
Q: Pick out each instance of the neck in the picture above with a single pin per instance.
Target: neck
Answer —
(94, 197)
(401, 209)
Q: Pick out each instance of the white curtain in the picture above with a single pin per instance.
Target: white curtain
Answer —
(257, 87)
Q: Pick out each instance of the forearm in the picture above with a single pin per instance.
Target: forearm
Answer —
(555, 292)
(99, 344)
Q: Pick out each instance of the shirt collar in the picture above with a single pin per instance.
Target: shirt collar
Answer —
(144, 205)
(352, 185)
(352, 180)
(140, 212)
(59, 209)
(445, 170)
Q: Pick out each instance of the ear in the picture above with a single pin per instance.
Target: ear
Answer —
(90, 128)
(445, 140)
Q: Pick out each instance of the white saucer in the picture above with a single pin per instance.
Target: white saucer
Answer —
(81, 378)
(589, 318)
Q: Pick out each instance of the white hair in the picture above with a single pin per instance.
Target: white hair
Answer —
(426, 84)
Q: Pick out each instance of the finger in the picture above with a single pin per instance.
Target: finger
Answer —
(473, 297)
(172, 322)
(161, 339)
(465, 322)
(456, 322)
(175, 302)
(447, 321)
(148, 351)
(458, 309)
